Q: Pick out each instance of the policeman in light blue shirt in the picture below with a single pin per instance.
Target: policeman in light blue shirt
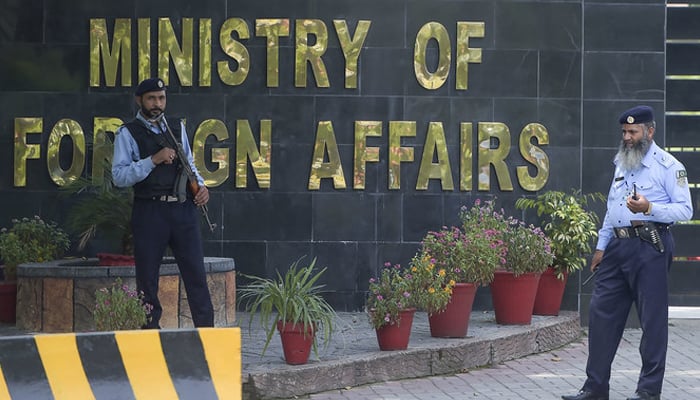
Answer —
(164, 211)
(649, 192)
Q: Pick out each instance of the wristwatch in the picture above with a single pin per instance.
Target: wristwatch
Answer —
(648, 211)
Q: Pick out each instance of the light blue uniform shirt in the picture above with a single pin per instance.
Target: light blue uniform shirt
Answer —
(127, 166)
(661, 179)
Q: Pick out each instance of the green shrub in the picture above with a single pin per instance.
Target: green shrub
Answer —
(31, 240)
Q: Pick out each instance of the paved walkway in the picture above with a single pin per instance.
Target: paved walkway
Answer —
(548, 375)
(537, 362)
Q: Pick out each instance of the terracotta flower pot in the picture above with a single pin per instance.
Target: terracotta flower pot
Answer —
(396, 336)
(550, 292)
(296, 342)
(453, 321)
(8, 301)
(514, 297)
(112, 260)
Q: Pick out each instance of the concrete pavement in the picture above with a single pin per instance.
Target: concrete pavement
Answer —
(550, 374)
(540, 361)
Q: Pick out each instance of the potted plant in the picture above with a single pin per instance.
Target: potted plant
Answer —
(294, 303)
(101, 207)
(447, 302)
(514, 288)
(468, 257)
(571, 229)
(119, 307)
(28, 240)
(391, 306)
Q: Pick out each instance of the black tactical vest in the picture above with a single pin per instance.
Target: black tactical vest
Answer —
(162, 180)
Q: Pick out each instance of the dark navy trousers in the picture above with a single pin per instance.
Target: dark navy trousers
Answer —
(632, 271)
(157, 225)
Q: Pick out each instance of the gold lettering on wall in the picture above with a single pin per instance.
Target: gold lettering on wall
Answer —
(535, 156)
(351, 47)
(205, 52)
(100, 50)
(427, 79)
(235, 50)
(397, 153)
(496, 157)
(272, 30)
(70, 129)
(23, 150)
(363, 153)
(169, 48)
(102, 148)
(435, 147)
(466, 156)
(144, 38)
(325, 144)
(246, 150)
(219, 156)
(310, 54)
(466, 54)
(311, 43)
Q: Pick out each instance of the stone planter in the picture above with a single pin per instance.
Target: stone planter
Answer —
(59, 296)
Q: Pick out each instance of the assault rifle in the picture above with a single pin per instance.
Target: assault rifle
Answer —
(192, 183)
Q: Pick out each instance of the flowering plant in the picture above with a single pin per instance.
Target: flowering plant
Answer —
(30, 240)
(432, 287)
(483, 216)
(470, 254)
(389, 293)
(529, 250)
(119, 308)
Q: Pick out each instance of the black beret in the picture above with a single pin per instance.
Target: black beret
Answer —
(637, 115)
(150, 85)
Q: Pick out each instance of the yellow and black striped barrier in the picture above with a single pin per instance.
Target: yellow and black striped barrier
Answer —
(200, 364)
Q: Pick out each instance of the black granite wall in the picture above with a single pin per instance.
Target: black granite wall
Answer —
(571, 66)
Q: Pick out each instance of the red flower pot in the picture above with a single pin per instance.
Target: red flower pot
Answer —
(296, 342)
(453, 321)
(396, 336)
(550, 291)
(8, 301)
(112, 260)
(514, 297)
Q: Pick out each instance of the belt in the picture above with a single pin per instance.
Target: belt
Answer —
(627, 232)
(166, 198)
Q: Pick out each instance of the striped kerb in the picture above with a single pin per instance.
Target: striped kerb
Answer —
(179, 364)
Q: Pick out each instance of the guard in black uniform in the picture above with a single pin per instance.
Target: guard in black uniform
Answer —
(165, 211)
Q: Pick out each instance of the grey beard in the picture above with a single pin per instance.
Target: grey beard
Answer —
(631, 158)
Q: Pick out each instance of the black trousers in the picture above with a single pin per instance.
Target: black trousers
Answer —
(156, 225)
(631, 271)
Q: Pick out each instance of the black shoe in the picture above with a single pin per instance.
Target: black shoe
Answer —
(642, 395)
(586, 395)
